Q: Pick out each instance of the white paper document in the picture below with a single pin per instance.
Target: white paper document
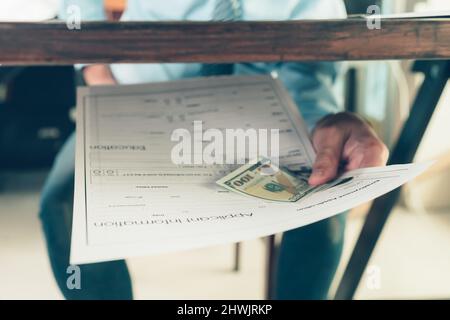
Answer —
(131, 199)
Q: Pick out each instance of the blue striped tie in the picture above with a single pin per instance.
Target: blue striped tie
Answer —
(224, 10)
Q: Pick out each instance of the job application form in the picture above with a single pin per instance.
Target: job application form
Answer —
(133, 198)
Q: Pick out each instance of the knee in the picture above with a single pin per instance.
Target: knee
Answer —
(49, 204)
(334, 229)
(58, 187)
(55, 198)
(325, 233)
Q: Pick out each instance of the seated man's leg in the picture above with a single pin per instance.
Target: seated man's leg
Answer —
(109, 280)
(308, 259)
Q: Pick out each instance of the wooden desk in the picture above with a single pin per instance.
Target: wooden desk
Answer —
(313, 40)
(212, 42)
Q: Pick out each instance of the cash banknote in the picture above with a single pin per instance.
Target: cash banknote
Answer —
(267, 181)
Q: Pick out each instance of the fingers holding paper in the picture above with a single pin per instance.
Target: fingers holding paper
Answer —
(345, 142)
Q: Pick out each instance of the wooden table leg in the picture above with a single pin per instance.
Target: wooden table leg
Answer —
(437, 74)
(237, 256)
(270, 266)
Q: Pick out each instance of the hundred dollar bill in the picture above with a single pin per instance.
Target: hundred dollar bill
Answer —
(266, 181)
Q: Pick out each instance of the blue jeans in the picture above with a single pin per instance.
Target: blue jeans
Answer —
(307, 258)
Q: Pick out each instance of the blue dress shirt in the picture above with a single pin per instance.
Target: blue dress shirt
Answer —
(313, 86)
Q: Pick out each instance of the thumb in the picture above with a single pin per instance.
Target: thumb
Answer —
(328, 143)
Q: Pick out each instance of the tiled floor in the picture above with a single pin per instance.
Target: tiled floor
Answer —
(411, 261)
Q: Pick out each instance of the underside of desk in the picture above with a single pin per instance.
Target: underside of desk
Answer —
(138, 42)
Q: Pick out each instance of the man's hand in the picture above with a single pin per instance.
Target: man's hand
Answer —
(344, 141)
(98, 74)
